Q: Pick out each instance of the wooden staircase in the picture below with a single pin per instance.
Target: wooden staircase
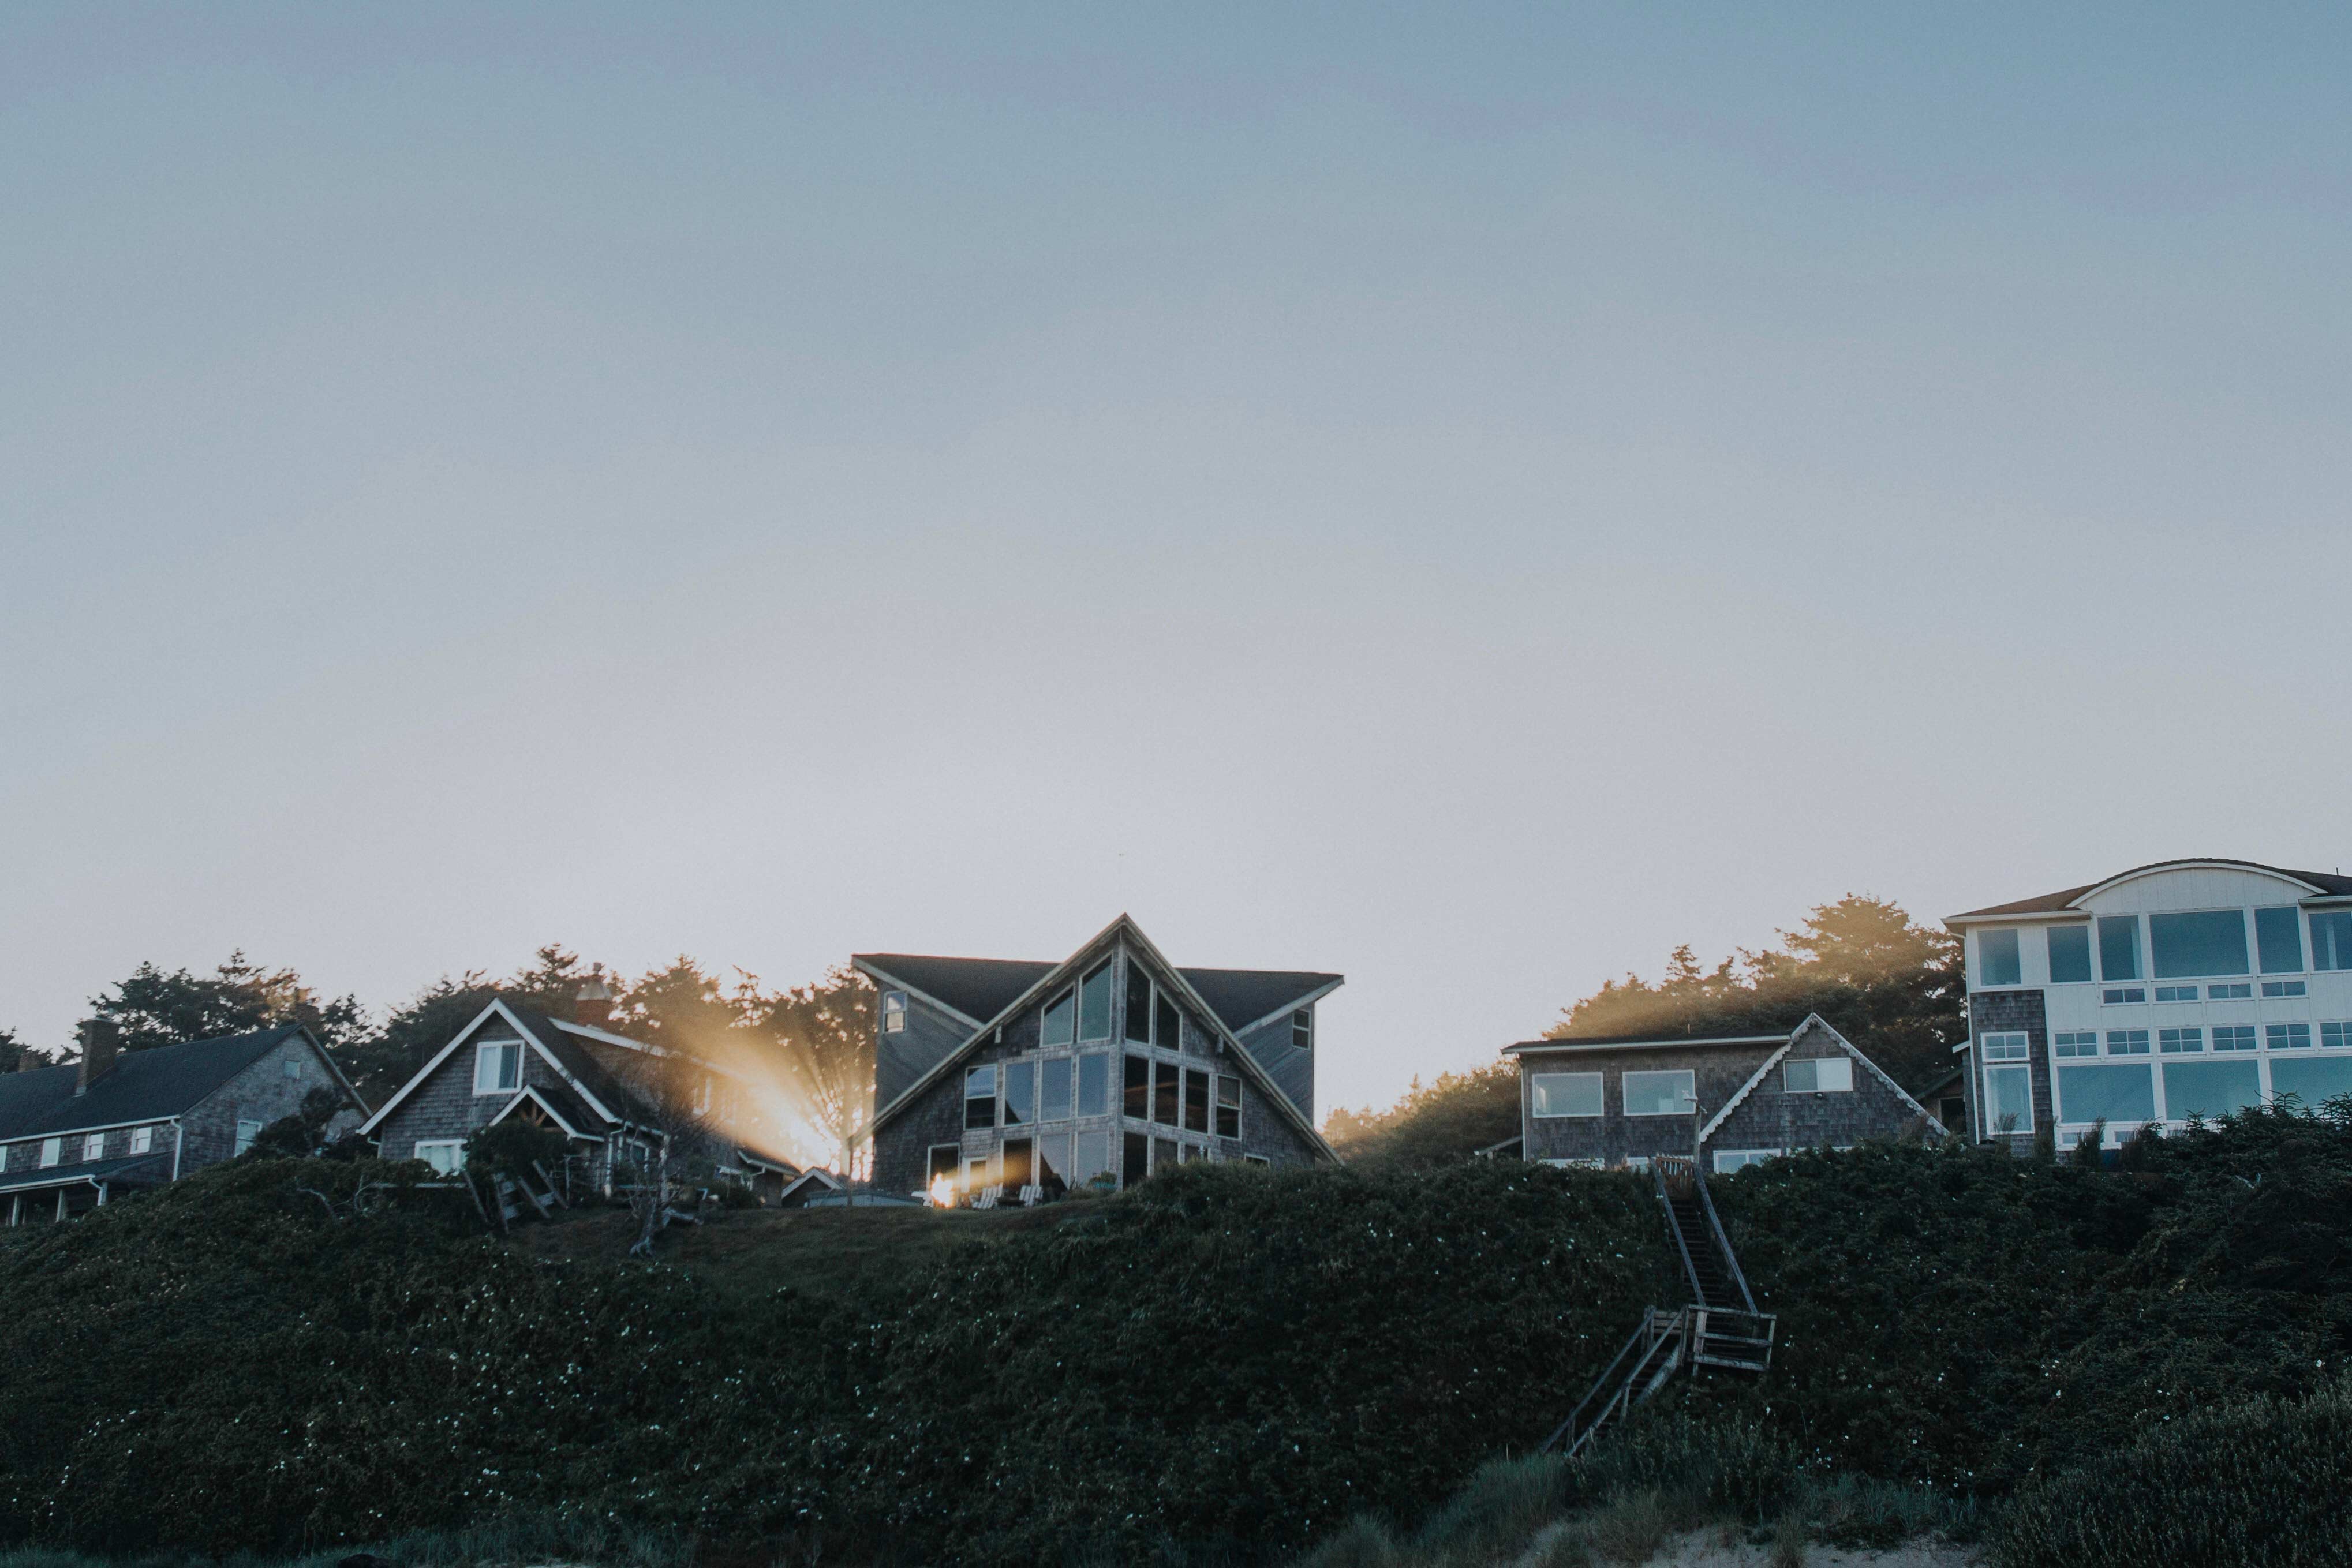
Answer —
(1720, 1328)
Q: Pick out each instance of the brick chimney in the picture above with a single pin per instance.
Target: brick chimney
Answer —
(101, 1042)
(593, 1004)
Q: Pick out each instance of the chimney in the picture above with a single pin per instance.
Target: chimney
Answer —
(593, 1004)
(102, 1041)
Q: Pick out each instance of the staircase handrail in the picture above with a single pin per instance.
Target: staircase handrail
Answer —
(1640, 1336)
(1715, 1226)
(1690, 1269)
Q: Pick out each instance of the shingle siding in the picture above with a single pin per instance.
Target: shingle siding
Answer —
(2007, 1012)
(263, 1094)
(1292, 1069)
(901, 1060)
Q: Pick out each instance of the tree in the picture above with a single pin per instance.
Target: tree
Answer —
(301, 1133)
(677, 1145)
(15, 1054)
(380, 1062)
(1456, 1115)
(823, 1038)
(150, 1008)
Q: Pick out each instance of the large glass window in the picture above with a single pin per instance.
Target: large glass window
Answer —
(1167, 1093)
(942, 1162)
(1660, 1093)
(2331, 939)
(1168, 1025)
(1163, 1153)
(1054, 1089)
(1020, 1093)
(2070, 954)
(1229, 1106)
(2007, 1099)
(1566, 1093)
(1054, 1164)
(2209, 1088)
(1061, 1016)
(1196, 1101)
(1138, 1088)
(1138, 1004)
(1020, 1170)
(2314, 1080)
(1818, 1075)
(1093, 1156)
(2201, 942)
(2278, 936)
(1996, 957)
(1134, 1159)
(980, 1096)
(2119, 948)
(1093, 1084)
(498, 1066)
(1093, 1003)
(2117, 1094)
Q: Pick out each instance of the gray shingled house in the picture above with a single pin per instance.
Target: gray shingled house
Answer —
(73, 1136)
(1098, 1069)
(1733, 1099)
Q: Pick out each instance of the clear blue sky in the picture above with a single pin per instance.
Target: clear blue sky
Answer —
(1465, 496)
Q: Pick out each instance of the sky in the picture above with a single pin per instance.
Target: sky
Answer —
(1467, 496)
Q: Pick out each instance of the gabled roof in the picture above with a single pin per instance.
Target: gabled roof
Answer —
(1813, 1020)
(2326, 883)
(602, 1093)
(1650, 1042)
(148, 1085)
(976, 989)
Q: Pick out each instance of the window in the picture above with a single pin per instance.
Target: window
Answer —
(1019, 1094)
(1996, 957)
(2278, 939)
(2119, 948)
(2070, 954)
(1054, 1163)
(1196, 1101)
(1138, 1004)
(1093, 1003)
(2074, 1043)
(2234, 1037)
(498, 1066)
(1057, 1026)
(2236, 992)
(2124, 994)
(1093, 1157)
(1168, 1025)
(2336, 1036)
(1729, 1160)
(2126, 1042)
(894, 1012)
(2209, 1088)
(444, 1155)
(1167, 1093)
(246, 1131)
(2314, 1080)
(143, 1139)
(1138, 1088)
(2331, 939)
(93, 1148)
(1302, 1028)
(1818, 1075)
(1566, 1093)
(1229, 1106)
(1660, 1093)
(1020, 1167)
(942, 1162)
(2007, 1046)
(1163, 1153)
(1093, 1084)
(1053, 1096)
(2116, 1093)
(2206, 942)
(2288, 1036)
(293, 1067)
(2174, 1042)
(2285, 988)
(980, 1171)
(1256, 1160)
(52, 1151)
(980, 1096)
(1193, 1152)
(2007, 1099)
(2176, 993)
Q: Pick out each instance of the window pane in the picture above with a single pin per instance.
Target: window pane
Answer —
(1059, 1015)
(2126, 1042)
(1135, 1158)
(1139, 1087)
(2116, 1093)
(1139, 1003)
(2278, 933)
(1093, 1155)
(1054, 1094)
(1054, 1164)
(1658, 1094)
(2331, 939)
(1818, 1075)
(1170, 1026)
(1094, 1004)
(2009, 1045)
(1302, 1028)
(2070, 954)
(2008, 1099)
(1018, 1171)
(2288, 1037)
(980, 1097)
(942, 1162)
(2208, 942)
(2209, 1088)
(2313, 1080)
(1093, 1084)
(2119, 948)
(1196, 1101)
(1996, 957)
(1567, 1093)
(1020, 1092)
(1229, 1106)
(1163, 1153)
(1165, 1083)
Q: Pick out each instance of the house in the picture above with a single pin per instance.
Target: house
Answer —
(74, 1136)
(615, 1099)
(2188, 987)
(1609, 1101)
(1098, 1068)
(1947, 1098)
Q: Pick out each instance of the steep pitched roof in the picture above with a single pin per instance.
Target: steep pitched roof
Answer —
(1648, 1041)
(568, 1048)
(1812, 1020)
(141, 1086)
(2058, 902)
(980, 989)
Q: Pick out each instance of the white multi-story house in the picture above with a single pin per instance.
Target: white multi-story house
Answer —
(2184, 988)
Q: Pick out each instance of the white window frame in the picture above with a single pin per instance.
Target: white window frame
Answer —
(894, 1012)
(142, 1140)
(1985, 1102)
(293, 1067)
(457, 1147)
(1536, 1096)
(1742, 1158)
(1217, 1106)
(1843, 1063)
(482, 1058)
(1302, 1028)
(1685, 1104)
(248, 1129)
(93, 1148)
(2005, 1045)
(52, 1151)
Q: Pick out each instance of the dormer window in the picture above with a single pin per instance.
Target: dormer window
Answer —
(498, 1066)
(1302, 1028)
(894, 1012)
